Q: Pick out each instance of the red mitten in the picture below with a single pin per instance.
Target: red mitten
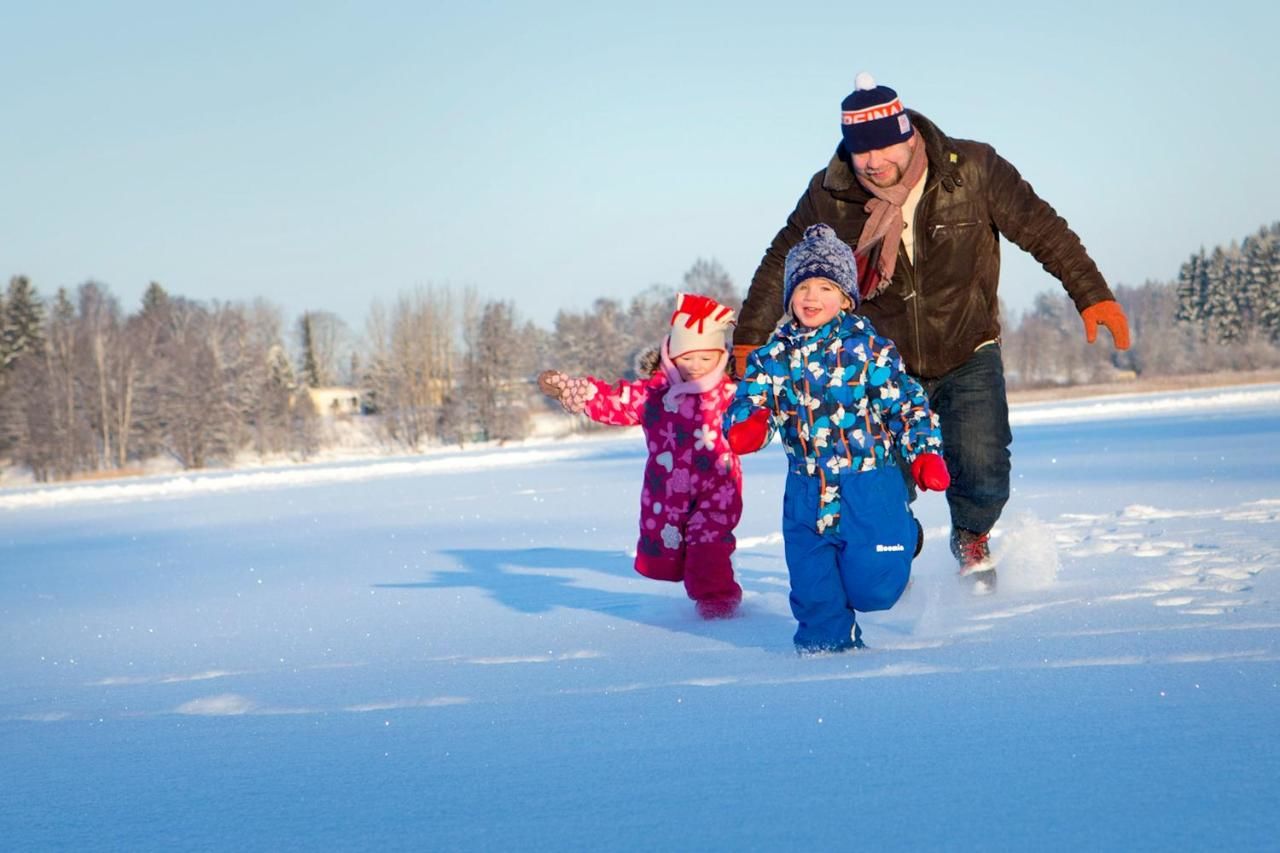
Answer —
(1109, 313)
(749, 436)
(930, 472)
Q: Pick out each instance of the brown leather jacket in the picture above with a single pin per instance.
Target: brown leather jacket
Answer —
(942, 307)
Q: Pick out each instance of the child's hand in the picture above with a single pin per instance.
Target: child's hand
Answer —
(750, 435)
(930, 472)
(573, 392)
(551, 383)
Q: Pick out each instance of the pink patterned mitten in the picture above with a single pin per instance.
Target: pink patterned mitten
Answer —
(577, 391)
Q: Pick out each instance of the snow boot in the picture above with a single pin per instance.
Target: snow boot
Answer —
(973, 553)
(854, 644)
(718, 608)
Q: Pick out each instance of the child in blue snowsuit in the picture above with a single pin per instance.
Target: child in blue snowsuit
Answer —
(847, 411)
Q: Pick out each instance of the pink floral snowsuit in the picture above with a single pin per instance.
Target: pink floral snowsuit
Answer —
(692, 495)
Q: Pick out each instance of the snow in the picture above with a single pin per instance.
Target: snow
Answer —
(451, 652)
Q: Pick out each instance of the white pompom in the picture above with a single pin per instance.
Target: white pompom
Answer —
(864, 82)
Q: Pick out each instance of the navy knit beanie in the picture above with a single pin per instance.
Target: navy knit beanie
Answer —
(872, 117)
(820, 254)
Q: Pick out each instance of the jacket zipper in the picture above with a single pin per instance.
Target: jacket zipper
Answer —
(917, 267)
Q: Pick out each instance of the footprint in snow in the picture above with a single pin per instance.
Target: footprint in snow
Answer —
(1174, 601)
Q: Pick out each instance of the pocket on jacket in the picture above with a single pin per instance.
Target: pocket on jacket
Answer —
(948, 230)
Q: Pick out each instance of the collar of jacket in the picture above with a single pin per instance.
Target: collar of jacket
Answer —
(944, 164)
(844, 324)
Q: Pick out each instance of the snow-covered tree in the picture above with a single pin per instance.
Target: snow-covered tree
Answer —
(1192, 287)
(1263, 258)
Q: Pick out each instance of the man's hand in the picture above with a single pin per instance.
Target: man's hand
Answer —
(1110, 314)
(738, 364)
(930, 472)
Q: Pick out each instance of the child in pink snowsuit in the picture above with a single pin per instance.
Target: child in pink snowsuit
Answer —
(691, 499)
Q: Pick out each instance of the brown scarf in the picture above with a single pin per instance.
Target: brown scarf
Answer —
(885, 221)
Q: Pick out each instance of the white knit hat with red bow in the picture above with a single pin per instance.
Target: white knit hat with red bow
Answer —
(699, 323)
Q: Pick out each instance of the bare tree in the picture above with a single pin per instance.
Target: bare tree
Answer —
(52, 438)
(708, 278)
(199, 385)
(98, 329)
(599, 342)
(496, 384)
(411, 364)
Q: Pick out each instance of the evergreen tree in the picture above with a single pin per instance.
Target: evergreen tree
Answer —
(323, 340)
(1222, 305)
(1252, 280)
(310, 364)
(1264, 267)
(1192, 286)
(21, 322)
(155, 299)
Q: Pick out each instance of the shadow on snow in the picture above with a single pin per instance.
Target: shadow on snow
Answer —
(538, 580)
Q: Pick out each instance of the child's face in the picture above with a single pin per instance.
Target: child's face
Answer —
(817, 300)
(697, 364)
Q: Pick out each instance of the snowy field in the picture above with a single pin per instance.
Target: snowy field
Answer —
(451, 652)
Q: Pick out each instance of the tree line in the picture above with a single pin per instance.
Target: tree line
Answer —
(86, 387)
(1222, 313)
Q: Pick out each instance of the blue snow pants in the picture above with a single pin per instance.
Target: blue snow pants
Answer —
(863, 565)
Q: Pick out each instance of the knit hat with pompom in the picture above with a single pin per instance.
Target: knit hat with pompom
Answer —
(872, 117)
(820, 254)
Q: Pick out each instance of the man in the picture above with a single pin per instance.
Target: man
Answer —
(925, 213)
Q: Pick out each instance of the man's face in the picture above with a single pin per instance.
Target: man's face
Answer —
(884, 167)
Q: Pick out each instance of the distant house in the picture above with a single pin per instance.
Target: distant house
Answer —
(335, 400)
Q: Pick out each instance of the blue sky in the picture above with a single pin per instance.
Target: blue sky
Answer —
(322, 155)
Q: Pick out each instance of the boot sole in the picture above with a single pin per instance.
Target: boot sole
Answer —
(981, 582)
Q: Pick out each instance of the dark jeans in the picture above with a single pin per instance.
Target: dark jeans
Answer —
(971, 404)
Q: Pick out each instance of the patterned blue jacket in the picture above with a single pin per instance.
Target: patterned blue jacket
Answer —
(842, 399)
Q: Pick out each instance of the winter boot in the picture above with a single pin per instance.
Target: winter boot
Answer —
(855, 643)
(718, 608)
(974, 555)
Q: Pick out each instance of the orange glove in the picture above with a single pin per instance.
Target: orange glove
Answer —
(930, 472)
(749, 436)
(1110, 314)
(738, 364)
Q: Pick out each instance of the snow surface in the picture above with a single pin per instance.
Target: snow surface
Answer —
(453, 653)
